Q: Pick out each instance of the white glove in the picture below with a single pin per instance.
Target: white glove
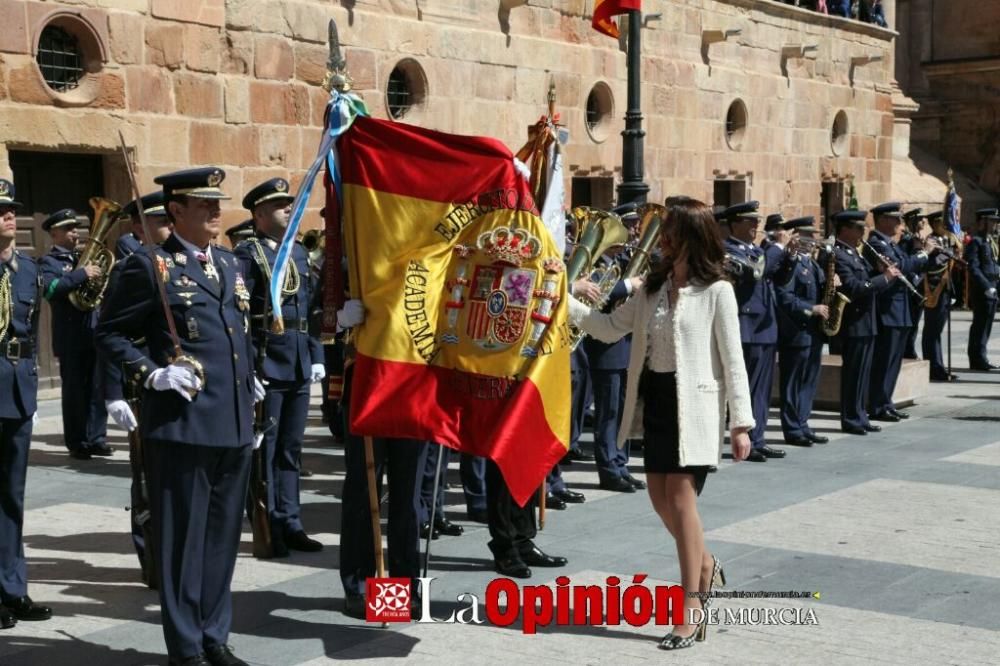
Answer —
(258, 439)
(121, 413)
(34, 419)
(991, 292)
(352, 314)
(258, 390)
(317, 372)
(180, 378)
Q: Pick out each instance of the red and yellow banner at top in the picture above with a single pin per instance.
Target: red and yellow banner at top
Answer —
(465, 337)
(605, 9)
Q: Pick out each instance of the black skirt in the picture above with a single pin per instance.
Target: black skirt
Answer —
(661, 441)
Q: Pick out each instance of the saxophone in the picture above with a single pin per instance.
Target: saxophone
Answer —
(833, 300)
(88, 295)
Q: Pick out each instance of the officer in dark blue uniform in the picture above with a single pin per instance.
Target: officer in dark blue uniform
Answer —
(608, 364)
(893, 313)
(197, 416)
(861, 283)
(938, 291)
(120, 392)
(20, 300)
(981, 254)
(910, 243)
(753, 269)
(472, 470)
(801, 314)
(240, 232)
(152, 207)
(291, 361)
(84, 418)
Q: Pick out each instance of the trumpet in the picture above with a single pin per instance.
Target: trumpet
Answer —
(886, 261)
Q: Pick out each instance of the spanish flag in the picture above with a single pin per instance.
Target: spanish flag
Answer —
(465, 336)
(605, 9)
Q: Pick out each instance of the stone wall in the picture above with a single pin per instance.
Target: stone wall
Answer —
(236, 83)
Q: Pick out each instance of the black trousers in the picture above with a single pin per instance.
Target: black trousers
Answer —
(855, 377)
(404, 461)
(85, 421)
(934, 325)
(511, 527)
(197, 495)
(983, 311)
(15, 437)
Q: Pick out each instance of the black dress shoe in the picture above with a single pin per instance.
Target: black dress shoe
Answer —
(570, 496)
(799, 441)
(577, 455)
(100, 450)
(354, 606)
(817, 439)
(554, 503)
(512, 567)
(537, 558)
(305, 473)
(755, 455)
(23, 608)
(772, 453)
(222, 655)
(301, 541)
(196, 660)
(425, 530)
(448, 528)
(7, 620)
(991, 366)
(898, 414)
(887, 417)
(618, 484)
(873, 428)
(943, 377)
(854, 430)
(636, 483)
(80, 454)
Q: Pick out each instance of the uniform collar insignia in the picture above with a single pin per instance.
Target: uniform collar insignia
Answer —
(180, 258)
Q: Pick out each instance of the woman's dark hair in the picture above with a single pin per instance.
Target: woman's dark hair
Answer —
(694, 233)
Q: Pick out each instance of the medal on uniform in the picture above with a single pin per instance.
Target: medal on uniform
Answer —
(192, 326)
(170, 262)
(161, 265)
(242, 295)
(210, 271)
(180, 258)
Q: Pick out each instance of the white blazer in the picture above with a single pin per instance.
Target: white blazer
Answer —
(710, 368)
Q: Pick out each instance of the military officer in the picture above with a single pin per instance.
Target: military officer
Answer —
(84, 418)
(119, 392)
(240, 232)
(753, 270)
(861, 283)
(289, 362)
(152, 207)
(197, 416)
(938, 292)
(981, 255)
(20, 300)
(893, 311)
(910, 243)
(801, 314)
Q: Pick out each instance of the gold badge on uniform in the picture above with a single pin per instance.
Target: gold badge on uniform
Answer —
(161, 265)
(180, 258)
(242, 295)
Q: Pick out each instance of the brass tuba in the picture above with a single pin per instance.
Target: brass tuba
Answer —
(650, 219)
(314, 241)
(595, 232)
(88, 295)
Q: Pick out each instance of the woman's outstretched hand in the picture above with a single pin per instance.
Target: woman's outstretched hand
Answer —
(741, 444)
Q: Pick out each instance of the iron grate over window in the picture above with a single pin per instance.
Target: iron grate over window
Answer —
(594, 112)
(399, 97)
(60, 59)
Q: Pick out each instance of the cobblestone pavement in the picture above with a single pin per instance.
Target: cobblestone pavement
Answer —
(898, 532)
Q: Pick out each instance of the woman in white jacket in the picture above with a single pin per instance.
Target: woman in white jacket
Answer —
(686, 366)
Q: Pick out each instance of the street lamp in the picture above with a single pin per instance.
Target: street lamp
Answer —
(633, 187)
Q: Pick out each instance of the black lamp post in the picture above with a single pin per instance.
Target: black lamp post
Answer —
(633, 188)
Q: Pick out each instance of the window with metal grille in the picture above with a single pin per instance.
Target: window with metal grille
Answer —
(398, 95)
(60, 59)
(595, 114)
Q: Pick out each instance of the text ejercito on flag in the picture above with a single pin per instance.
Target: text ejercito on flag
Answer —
(604, 10)
(455, 267)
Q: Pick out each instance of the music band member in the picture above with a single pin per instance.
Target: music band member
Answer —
(83, 415)
(758, 268)
(20, 300)
(893, 311)
(938, 292)
(290, 362)
(676, 353)
(197, 416)
(861, 283)
(982, 255)
(801, 313)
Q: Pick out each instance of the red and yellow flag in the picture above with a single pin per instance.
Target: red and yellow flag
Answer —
(605, 9)
(464, 340)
